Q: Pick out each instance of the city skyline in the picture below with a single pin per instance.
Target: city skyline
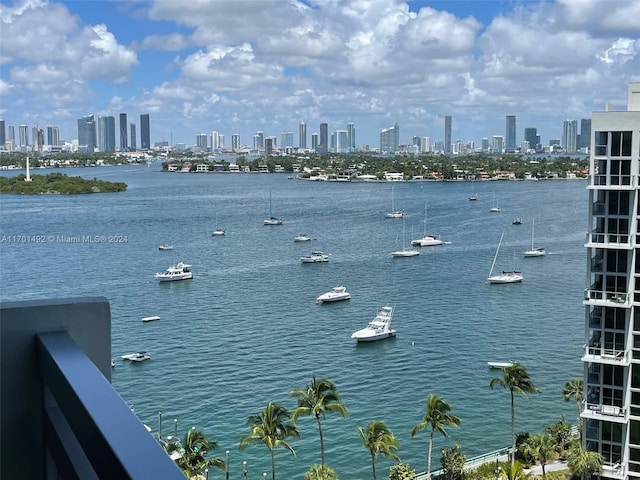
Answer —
(218, 66)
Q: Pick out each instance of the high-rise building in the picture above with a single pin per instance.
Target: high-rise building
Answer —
(342, 141)
(23, 131)
(3, 135)
(258, 141)
(235, 142)
(485, 144)
(11, 135)
(609, 415)
(302, 136)
(53, 136)
(133, 137)
(201, 141)
(531, 136)
(390, 139)
(124, 139)
(286, 139)
(351, 137)
(314, 142)
(510, 134)
(269, 145)
(585, 134)
(215, 141)
(498, 144)
(145, 132)
(447, 134)
(106, 137)
(570, 136)
(86, 134)
(425, 145)
(323, 146)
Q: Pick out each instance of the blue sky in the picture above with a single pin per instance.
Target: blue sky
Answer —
(239, 66)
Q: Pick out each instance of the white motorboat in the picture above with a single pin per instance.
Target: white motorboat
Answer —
(271, 220)
(217, 232)
(137, 357)
(512, 276)
(535, 251)
(499, 365)
(315, 257)
(378, 328)
(181, 271)
(335, 295)
(165, 247)
(301, 237)
(150, 319)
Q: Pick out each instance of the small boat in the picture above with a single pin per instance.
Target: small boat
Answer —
(301, 237)
(137, 357)
(165, 247)
(151, 319)
(426, 240)
(516, 221)
(181, 271)
(494, 208)
(335, 295)
(393, 213)
(474, 196)
(378, 328)
(499, 365)
(271, 220)
(113, 363)
(315, 257)
(506, 276)
(404, 253)
(217, 233)
(535, 251)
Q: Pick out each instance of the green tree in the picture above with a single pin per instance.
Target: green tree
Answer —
(400, 471)
(271, 427)
(514, 471)
(561, 432)
(516, 379)
(379, 441)
(573, 390)
(316, 399)
(453, 461)
(193, 450)
(320, 472)
(436, 418)
(543, 448)
(584, 463)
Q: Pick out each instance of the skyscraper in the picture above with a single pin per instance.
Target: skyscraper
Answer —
(390, 139)
(609, 420)
(86, 134)
(342, 141)
(323, 146)
(235, 142)
(314, 142)
(447, 134)
(570, 136)
(202, 142)
(23, 131)
(498, 144)
(531, 136)
(351, 137)
(133, 136)
(145, 132)
(106, 137)
(303, 136)
(215, 141)
(258, 141)
(510, 134)
(124, 142)
(585, 133)
(3, 133)
(286, 139)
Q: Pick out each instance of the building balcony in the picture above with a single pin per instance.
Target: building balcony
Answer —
(60, 418)
(603, 298)
(616, 470)
(609, 240)
(597, 354)
(608, 413)
(612, 182)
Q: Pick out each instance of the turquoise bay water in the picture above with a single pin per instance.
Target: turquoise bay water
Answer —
(246, 329)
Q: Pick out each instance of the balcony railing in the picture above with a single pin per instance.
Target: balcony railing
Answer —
(610, 239)
(606, 298)
(60, 416)
(594, 409)
(605, 355)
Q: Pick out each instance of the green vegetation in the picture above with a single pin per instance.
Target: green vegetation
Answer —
(57, 183)
(573, 390)
(379, 440)
(453, 461)
(320, 472)
(400, 471)
(193, 450)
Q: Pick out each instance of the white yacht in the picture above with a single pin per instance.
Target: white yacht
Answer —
(165, 247)
(218, 232)
(535, 251)
(512, 276)
(181, 271)
(499, 365)
(335, 295)
(315, 257)
(301, 237)
(427, 241)
(378, 328)
(151, 319)
(137, 357)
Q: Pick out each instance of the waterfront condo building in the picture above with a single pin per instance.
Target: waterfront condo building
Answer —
(610, 415)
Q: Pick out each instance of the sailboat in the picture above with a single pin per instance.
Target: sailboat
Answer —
(494, 208)
(474, 196)
(403, 252)
(393, 213)
(504, 277)
(218, 231)
(535, 251)
(272, 220)
(426, 240)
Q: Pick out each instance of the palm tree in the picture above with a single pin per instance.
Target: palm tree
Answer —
(515, 472)
(516, 378)
(573, 390)
(317, 398)
(584, 463)
(436, 418)
(193, 450)
(543, 448)
(271, 428)
(379, 440)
